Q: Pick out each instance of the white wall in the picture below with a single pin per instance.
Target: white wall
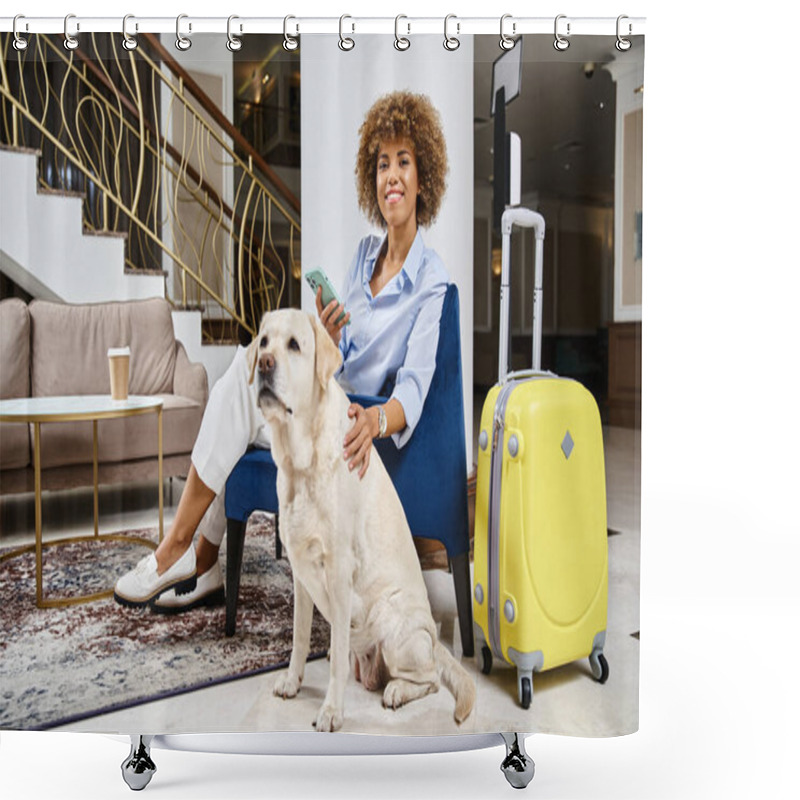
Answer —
(338, 89)
(216, 358)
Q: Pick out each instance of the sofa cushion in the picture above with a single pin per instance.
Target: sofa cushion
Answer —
(69, 346)
(15, 379)
(69, 443)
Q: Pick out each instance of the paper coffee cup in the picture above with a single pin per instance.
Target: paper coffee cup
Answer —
(119, 361)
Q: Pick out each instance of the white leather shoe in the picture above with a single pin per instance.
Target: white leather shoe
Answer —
(143, 583)
(209, 591)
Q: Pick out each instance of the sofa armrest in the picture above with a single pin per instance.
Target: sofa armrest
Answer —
(190, 379)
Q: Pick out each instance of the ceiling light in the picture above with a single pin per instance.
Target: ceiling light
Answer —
(497, 261)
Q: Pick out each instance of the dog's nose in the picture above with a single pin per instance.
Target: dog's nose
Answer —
(266, 363)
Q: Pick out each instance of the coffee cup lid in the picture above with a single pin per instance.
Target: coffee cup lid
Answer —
(118, 351)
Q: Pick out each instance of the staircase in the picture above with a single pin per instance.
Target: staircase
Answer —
(44, 248)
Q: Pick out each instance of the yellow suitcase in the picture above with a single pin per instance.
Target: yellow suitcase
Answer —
(541, 553)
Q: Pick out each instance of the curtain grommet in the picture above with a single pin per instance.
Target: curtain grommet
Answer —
(346, 43)
(622, 44)
(451, 43)
(401, 43)
(181, 41)
(70, 42)
(290, 43)
(233, 44)
(561, 43)
(129, 42)
(506, 42)
(20, 44)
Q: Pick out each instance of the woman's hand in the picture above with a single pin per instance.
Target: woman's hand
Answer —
(329, 315)
(358, 440)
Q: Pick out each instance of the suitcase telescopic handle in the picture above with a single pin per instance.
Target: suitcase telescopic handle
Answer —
(523, 218)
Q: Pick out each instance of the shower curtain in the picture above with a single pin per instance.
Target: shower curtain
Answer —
(163, 197)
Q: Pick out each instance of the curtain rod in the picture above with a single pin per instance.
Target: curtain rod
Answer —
(408, 26)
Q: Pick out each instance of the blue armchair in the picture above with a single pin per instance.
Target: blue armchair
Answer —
(429, 474)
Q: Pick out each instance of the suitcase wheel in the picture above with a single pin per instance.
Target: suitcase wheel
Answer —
(525, 692)
(486, 659)
(599, 665)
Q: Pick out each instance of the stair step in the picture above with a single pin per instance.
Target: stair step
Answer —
(14, 148)
(109, 234)
(145, 271)
(221, 342)
(51, 192)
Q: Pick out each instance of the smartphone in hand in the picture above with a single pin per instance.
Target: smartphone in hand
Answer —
(317, 277)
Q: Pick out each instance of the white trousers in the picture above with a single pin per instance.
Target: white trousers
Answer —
(232, 422)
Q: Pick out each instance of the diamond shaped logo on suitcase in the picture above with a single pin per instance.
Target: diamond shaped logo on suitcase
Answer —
(567, 445)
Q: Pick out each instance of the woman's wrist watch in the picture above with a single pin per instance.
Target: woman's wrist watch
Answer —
(381, 422)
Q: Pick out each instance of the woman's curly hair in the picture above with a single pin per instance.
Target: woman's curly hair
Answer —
(403, 115)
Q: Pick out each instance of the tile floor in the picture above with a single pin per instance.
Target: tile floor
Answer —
(565, 700)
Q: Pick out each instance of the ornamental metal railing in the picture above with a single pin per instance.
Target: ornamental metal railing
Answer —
(157, 161)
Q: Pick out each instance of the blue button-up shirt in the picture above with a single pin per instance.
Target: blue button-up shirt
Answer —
(390, 344)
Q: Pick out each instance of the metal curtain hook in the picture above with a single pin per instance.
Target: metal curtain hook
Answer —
(560, 42)
(345, 42)
(400, 42)
(181, 42)
(19, 43)
(623, 44)
(70, 42)
(233, 44)
(128, 42)
(290, 42)
(451, 42)
(506, 42)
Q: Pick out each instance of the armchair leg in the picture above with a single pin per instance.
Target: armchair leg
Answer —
(278, 546)
(233, 572)
(459, 566)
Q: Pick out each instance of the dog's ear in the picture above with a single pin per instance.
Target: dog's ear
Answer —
(326, 354)
(252, 358)
(252, 355)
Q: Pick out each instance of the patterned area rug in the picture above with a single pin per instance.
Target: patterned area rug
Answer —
(64, 664)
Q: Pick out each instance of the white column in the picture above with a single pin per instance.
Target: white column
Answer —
(338, 89)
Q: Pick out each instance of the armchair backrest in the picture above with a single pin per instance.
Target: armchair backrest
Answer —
(430, 472)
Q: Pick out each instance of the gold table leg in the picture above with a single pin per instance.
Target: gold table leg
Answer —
(37, 488)
(39, 545)
(95, 473)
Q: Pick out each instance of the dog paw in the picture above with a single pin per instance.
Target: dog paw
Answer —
(393, 696)
(399, 692)
(287, 686)
(329, 719)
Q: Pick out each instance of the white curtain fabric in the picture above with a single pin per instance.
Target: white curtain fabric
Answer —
(338, 89)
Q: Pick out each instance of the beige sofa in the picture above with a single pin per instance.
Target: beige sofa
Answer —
(51, 349)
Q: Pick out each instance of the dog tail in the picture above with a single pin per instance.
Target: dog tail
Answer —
(458, 682)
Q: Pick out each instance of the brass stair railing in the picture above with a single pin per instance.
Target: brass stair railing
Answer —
(155, 159)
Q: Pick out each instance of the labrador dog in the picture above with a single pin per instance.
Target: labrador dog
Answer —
(347, 539)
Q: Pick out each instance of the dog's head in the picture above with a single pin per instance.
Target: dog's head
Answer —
(293, 358)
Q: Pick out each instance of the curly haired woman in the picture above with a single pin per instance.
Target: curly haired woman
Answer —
(393, 293)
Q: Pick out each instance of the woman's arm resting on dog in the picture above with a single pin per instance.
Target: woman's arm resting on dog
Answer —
(358, 440)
